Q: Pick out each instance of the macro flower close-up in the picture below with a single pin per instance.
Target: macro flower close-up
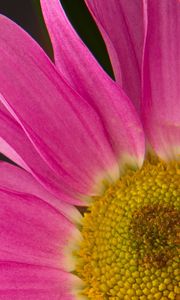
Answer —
(90, 192)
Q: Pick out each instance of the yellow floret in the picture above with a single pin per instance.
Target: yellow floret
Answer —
(130, 237)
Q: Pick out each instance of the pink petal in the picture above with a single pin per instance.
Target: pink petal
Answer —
(29, 282)
(17, 180)
(15, 144)
(74, 60)
(32, 231)
(121, 25)
(161, 102)
(63, 128)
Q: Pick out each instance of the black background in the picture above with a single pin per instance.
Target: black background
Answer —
(27, 14)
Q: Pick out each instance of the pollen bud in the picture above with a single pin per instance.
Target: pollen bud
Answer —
(130, 239)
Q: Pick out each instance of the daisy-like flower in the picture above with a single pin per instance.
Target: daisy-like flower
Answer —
(78, 139)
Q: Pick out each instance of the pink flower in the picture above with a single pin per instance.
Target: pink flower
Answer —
(72, 130)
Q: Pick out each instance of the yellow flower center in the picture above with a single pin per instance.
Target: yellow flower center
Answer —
(130, 237)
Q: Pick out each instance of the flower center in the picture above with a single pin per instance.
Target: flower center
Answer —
(130, 237)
